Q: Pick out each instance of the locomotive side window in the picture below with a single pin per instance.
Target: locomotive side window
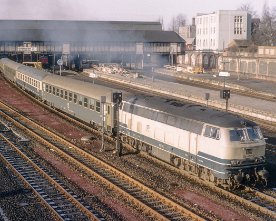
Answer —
(212, 132)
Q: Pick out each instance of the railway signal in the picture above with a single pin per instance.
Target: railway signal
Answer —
(117, 98)
(225, 94)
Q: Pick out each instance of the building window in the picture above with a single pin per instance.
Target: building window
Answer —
(238, 25)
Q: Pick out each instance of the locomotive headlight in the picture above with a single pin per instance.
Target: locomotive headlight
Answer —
(235, 162)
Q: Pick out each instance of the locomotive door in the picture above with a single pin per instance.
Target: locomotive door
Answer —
(193, 147)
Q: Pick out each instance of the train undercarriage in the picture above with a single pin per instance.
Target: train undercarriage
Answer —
(254, 176)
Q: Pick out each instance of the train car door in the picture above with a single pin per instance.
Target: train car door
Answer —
(108, 118)
(193, 147)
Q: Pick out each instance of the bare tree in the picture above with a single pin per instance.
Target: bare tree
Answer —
(176, 22)
(249, 9)
(267, 30)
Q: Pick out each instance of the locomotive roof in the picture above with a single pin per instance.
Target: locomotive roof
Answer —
(191, 111)
(80, 87)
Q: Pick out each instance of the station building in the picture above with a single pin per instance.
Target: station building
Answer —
(130, 43)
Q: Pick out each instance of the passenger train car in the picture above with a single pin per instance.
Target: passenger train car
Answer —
(217, 146)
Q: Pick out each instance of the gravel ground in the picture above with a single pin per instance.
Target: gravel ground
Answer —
(154, 175)
(17, 201)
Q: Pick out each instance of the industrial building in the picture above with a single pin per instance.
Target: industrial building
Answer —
(132, 44)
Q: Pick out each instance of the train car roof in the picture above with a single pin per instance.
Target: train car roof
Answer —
(80, 87)
(10, 63)
(190, 111)
(33, 72)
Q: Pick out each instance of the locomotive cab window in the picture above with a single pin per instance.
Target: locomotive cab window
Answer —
(212, 132)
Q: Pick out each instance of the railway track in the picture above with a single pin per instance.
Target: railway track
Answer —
(257, 201)
(197, 82)
(152, 203)
(62, 202)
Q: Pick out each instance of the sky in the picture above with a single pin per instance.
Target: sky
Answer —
(119, 10)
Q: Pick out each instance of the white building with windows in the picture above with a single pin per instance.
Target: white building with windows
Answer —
(216, 30)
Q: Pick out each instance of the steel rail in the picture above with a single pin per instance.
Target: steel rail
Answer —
(57, 186)
(158, 198)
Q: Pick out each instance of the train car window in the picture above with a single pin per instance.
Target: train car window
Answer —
(54, 91)
(70, 96)
(46, 88)
(98, 106)
(171, 120)
(38, 84)
(61, 93)
(65, 95)
(237, 135)
(75, 98)
(50, 89)
(85, 102)
(80, 100)
(161, 117)
(57, 92)
(92, 104)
